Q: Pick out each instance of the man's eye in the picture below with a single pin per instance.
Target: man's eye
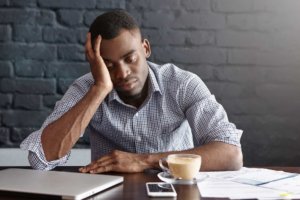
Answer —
(131, 59)
(109, 65)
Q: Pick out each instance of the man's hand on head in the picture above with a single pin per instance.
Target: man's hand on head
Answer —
(118, 161)
(98, 68)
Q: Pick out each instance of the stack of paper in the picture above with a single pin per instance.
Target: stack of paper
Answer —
(251, 183)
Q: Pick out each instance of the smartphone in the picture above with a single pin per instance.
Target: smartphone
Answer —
(160, 189)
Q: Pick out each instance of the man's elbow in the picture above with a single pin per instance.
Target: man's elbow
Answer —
(35, 161)
(236, 161)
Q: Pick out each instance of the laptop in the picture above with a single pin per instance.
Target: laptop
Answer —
(68, 185)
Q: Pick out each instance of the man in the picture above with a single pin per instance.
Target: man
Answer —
(134, 111)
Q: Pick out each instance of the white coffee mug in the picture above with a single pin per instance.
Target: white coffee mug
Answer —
(182, 166)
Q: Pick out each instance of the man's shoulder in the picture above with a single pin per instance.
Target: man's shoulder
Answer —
(169, 71)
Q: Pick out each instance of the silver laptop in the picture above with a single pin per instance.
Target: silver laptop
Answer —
(68, 185)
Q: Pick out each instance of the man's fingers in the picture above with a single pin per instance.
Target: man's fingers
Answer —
(87, 167)
(100, 167)
(95, 165)
(116, 161)
(106, 168)
(105, 162)
(88, 46)
(106, 157)
(97, 45)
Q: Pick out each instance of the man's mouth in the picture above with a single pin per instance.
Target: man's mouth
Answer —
(127, 84)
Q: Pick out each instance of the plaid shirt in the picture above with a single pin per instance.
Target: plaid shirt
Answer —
(179, 113)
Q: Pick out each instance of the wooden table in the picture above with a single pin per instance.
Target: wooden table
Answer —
(132, 188)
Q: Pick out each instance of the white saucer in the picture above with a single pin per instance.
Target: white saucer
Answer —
(166, 177)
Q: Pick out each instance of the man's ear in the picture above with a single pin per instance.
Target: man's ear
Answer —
(147, 48)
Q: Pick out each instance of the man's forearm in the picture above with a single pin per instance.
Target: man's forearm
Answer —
(61, 135)
(216, 156)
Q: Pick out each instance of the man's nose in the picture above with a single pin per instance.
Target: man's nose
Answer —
(123, 71)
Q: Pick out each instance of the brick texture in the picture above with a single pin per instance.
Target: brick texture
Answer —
(5, 33)
(246, 51)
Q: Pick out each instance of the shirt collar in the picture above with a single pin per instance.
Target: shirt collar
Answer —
(153, 86)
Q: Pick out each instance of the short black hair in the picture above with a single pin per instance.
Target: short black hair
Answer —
(109, 24)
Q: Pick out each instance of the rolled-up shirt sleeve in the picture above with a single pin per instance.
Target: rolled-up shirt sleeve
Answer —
(33, 143)
(36, 155)
(207, 118)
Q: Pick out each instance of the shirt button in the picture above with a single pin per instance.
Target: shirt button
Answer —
(138, 138)
(137, 114)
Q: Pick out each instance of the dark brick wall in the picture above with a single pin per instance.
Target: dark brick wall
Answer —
(247, 51)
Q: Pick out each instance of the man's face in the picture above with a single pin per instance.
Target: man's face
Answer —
(125, 57)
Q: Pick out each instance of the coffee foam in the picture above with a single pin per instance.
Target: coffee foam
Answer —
(181, 160)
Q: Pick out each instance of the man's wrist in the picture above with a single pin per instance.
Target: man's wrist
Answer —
(152, 161)
(101, 89)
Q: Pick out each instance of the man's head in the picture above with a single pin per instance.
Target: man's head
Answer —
(109, 24)
(124, 52)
